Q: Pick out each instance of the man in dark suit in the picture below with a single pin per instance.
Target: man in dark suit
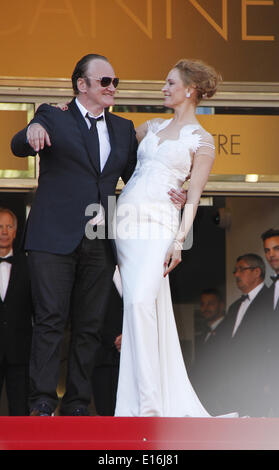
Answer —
(270, 240)
(83, 152)
(212, 311)
(81, 160)
(245, 341)
(15, 317)
(205, 370)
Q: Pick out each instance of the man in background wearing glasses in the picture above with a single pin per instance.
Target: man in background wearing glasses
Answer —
(245, 341)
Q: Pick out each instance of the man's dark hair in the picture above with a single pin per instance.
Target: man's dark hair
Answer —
(81, 69)
(213, 291)
(254, 261)
(272, 232)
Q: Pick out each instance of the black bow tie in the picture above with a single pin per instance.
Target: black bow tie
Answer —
(244, 297)
(275, 278)
(9, 259)
(93, 121)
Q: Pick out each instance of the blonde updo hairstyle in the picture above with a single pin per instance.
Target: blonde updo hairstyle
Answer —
(200, 76)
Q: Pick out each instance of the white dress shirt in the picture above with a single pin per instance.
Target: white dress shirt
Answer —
(105, 149)
(5, 272)
(244, 305)
(276, 293)
(117, 281)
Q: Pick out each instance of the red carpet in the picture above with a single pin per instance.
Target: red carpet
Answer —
(88, 433)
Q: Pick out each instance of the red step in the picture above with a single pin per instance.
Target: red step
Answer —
(103, 433)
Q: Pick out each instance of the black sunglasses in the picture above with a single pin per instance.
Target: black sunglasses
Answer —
(106, 81)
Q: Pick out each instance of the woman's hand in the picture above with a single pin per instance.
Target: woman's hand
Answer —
(62, 106)
(117, 343)
(173, 258)
(178, 197)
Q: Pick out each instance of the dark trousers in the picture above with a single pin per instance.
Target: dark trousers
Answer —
(16, 378)
(104, 387)
(76, 284)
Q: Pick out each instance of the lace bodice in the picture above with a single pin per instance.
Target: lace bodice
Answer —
(166, 164)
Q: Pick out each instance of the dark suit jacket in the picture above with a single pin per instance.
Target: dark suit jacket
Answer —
(16, 314)
(273, 353)
(230, 373)
(70, 179)
(207, 371)
(245, 357)
(270, 295)
(202, 347)
(255, 318)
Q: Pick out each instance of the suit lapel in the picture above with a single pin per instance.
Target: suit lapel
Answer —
(230, 319)
(276, 309)
(245, 320)
(254, 312)
(90, 142)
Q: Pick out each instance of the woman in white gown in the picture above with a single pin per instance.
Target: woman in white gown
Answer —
(149, 235)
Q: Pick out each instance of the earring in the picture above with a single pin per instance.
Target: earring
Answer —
(188, 94)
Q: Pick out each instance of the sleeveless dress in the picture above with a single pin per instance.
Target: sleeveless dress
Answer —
(152, 379)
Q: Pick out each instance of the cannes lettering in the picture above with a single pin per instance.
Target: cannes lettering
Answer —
(66, 10)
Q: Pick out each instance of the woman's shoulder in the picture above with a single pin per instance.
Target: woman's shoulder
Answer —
(205, 136)
(205, 144)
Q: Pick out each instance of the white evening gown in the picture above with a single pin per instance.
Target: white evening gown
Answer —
(152, 379)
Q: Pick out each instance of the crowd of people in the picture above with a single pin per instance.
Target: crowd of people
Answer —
(237, 353)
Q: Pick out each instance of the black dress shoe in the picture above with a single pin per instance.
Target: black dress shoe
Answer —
(42, 409)
(80, 412)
